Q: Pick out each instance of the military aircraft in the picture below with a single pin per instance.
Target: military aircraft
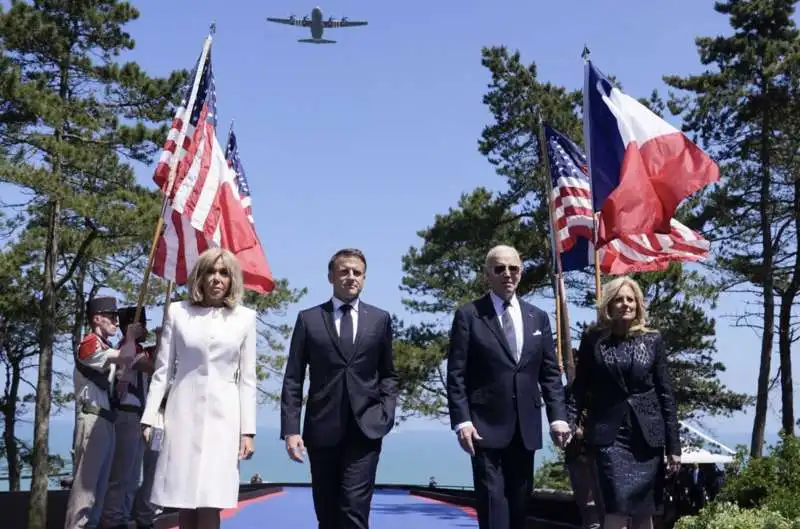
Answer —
(317, 25)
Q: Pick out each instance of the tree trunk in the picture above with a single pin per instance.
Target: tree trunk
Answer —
(10, 423)
(37, 508)
(785, 327)
(766, 276)
(785, 352)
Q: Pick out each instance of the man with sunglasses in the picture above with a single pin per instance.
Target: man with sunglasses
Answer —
(500, 364)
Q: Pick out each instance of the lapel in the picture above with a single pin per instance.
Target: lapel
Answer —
(364, 323)
(327, 317)
(489, 316)
(528, 328)
(613, 367)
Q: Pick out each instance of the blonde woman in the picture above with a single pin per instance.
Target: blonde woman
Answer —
(621, 383)
(210, 415)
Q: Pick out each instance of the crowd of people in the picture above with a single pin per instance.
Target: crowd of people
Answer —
(183, 414)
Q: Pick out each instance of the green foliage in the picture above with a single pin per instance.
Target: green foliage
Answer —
(744, 111)
(772, 481)
(446, 270)
(731, 516)
(552, 474)
(73, 114)
(272, 336)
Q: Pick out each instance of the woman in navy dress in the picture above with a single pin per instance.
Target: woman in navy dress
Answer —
(631, 425)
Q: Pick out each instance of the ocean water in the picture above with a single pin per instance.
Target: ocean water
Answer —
(410, 455)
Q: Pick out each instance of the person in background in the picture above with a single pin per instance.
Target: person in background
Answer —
(346, 345)
(210, 416)
(631, 420)
(580, 466)
(94, 436)
(500, 365)
(144, 512)
(126, 468)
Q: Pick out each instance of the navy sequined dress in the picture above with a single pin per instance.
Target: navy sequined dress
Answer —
(631, 419)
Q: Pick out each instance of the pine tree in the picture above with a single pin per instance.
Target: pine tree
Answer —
(70, 101)
(741, 110)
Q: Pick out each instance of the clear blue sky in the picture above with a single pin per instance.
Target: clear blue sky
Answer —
(361, 143)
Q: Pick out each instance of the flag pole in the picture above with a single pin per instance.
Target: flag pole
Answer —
(586, 140)
(555, 247)
(173, 166)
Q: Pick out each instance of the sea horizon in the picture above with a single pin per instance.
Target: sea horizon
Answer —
(434, 453)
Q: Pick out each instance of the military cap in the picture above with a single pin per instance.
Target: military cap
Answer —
(126, 315)
(101, 305)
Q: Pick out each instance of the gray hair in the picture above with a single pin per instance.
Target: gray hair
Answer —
(499, 249)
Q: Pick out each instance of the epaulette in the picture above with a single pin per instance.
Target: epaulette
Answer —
(88, 346)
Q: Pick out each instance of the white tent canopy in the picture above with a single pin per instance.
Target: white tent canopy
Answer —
(691, 455)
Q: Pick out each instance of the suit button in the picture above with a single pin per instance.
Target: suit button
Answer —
(513, 396)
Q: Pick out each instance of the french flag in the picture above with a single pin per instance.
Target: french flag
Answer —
(641, 166)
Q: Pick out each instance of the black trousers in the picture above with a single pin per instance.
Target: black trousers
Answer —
(343, 479)
(503, 479)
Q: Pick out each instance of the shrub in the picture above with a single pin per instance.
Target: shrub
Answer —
(772, 482)
(725, 515)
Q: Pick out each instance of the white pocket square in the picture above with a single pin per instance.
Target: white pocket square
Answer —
(537, 333)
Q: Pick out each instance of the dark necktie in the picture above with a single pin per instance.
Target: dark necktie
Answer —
(346, 329)
(508, 329)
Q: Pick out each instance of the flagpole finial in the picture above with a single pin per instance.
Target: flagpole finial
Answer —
(212, 29)
(586, 52)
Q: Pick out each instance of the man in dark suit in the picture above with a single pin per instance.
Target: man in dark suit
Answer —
(501, 354)
(352, 394)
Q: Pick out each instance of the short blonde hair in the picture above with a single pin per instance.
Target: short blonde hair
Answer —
(204, 265)
(607, 295)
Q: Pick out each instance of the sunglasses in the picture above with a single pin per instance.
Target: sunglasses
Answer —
(512, 269)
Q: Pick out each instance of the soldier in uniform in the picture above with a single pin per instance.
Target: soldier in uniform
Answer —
(94, 414)
(131, 388)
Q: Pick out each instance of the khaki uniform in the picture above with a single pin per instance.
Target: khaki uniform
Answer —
(126, 468)
(94, 434)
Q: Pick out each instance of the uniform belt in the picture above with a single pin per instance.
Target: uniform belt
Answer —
(109, 415)
(130, 408)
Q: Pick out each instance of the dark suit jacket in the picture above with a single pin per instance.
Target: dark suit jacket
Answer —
(608, 393)
(365, 381)
(487, 386)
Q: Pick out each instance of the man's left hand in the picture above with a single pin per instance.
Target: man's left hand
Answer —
(561, 433)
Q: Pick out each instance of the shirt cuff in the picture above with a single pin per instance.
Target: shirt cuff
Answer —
(459, 426)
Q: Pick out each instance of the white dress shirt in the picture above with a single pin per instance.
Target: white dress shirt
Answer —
(337, 315)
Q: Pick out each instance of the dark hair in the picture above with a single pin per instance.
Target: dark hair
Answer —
(347, 252)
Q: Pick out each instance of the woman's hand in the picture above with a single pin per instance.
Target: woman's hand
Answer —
(246, 449)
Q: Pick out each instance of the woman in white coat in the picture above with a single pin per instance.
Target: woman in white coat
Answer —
(210, 415)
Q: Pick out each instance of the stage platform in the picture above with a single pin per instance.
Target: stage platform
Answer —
(391, 509)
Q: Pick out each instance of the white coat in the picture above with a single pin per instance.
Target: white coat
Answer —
(208, 407)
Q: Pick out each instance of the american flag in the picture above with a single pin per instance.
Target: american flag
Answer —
(573, 218)
(205, 207)
(232, 156)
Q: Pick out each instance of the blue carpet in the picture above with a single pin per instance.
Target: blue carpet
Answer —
(391, 509)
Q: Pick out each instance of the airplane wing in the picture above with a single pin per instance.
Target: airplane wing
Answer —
(289, 21)
(344, 23)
